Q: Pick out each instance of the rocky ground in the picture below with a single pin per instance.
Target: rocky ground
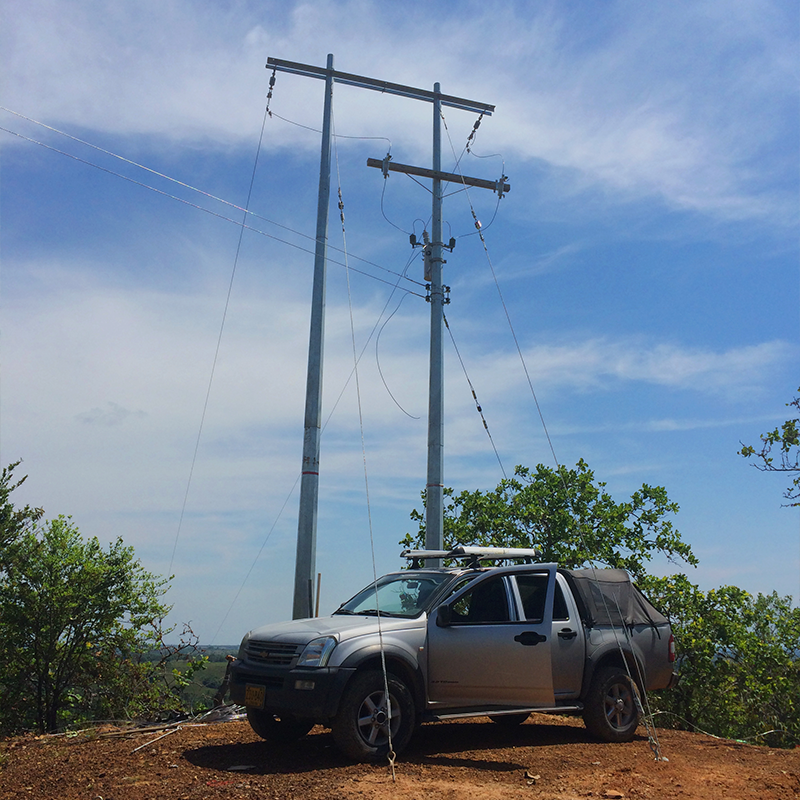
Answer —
(547, 757)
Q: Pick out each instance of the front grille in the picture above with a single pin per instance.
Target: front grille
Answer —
(278, 654)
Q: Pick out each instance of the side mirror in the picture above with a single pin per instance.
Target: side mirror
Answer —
(444, 616)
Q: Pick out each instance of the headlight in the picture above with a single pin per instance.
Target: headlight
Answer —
(317, 652)
(243, 646)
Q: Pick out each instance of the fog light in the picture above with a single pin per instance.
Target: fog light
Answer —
(304, 685)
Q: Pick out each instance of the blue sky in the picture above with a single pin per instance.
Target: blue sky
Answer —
(647, 254)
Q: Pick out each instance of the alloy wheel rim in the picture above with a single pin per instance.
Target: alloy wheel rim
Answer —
(375, 720)
(619, 706)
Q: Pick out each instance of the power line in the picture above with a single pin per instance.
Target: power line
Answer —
(475, 397)
(378, 360)
(193, 189)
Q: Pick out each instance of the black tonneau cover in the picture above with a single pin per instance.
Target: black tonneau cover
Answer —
(607, 597)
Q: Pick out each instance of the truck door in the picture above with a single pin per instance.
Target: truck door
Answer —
(568, 643)
(481, 649)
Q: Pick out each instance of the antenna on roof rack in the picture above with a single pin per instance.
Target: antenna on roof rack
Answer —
(474, 554)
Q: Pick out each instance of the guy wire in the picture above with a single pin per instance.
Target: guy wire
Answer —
(219, 342)
(386, 695)
(651, 732)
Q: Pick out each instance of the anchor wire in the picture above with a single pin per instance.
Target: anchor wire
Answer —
(652, 736)
(391, 755)
(217, 349)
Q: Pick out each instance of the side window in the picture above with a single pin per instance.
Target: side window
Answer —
(460, 584)
(487, 602)
(560, 611)
(533, 592)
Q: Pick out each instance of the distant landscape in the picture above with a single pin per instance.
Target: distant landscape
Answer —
(198, 696)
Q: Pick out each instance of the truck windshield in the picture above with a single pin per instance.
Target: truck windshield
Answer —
(397, 595)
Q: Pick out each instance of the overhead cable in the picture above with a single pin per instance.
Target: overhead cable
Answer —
(186, 186)
(474, 396)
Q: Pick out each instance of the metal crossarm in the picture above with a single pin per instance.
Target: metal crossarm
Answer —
(452, 177)
(438, 298)
(363, 82)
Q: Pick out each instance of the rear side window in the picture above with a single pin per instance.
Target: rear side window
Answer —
(533, 592)
(560, 611)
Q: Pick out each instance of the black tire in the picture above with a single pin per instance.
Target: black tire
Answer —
(360, 727)
(277, 729)
(611, 711)
(509, 720)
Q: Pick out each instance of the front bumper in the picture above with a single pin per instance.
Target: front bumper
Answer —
(307, 693)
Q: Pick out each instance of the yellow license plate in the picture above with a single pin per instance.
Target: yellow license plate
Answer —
(254, 696)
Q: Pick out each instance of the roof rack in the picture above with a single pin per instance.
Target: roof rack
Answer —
(473, 553)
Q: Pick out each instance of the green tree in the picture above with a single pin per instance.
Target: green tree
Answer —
(568, 516)
(739, 661)
(13, 521)
(782, 443)
(75, 619)
(739, 655)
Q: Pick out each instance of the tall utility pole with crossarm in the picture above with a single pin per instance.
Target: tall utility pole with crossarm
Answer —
(305, 564)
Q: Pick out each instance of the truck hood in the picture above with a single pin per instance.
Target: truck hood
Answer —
(342, 626)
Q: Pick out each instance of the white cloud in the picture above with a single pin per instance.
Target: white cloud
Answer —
(131, 367)
(662, 102)
(601, 364)
(112, 297)
(113, 414)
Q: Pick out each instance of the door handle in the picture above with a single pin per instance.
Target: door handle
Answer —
(530, 638)
(567, 633)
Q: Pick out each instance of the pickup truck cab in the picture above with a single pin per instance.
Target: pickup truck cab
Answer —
(427, 644)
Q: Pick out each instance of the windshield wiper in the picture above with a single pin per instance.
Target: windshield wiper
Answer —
(373, 612)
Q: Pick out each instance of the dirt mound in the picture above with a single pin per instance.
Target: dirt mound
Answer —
(547, 757)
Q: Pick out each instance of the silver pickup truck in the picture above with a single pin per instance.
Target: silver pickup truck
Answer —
(427, 644)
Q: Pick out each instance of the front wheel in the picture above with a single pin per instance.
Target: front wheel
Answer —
(611, 712)
(365, 721)
(277, 729)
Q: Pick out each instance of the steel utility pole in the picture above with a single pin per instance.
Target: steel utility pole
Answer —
(306, 558)
(305, 565)
(434, 487)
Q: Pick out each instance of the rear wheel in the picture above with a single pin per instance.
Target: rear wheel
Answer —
(365, 720)
(611, 712)
(278, 728)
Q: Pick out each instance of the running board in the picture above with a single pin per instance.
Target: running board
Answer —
(458, 713)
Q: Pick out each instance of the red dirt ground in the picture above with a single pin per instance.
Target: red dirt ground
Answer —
(547, 757)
